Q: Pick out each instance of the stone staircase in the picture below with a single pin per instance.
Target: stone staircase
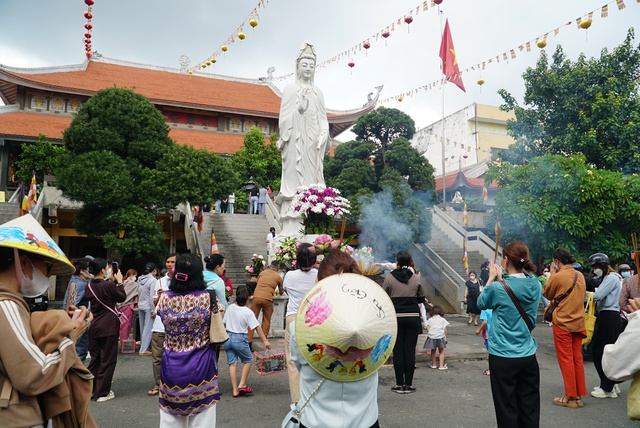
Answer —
(452, 252)
(239, 237)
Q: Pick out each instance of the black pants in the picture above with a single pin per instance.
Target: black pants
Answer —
(607, 331)
(404, 351)
(515, 387)
(104, 356)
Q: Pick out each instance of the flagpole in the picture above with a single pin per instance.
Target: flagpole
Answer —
(444, 176)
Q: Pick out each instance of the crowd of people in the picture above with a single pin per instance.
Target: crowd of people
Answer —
(176, 307)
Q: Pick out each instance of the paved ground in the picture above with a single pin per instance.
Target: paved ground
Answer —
(459, 397)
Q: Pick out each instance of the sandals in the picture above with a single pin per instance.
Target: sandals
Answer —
(445, 367)
(486, 372)
(433, 366)
(245, 390)
(565, 401)
(152, 392)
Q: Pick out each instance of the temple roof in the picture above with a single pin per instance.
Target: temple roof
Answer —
(163, 87)
(471, 176)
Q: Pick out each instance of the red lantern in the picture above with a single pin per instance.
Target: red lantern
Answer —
(408, 20)
(87, 35)
(88, 15)
(351, 64)
(465, 155)
(89, 55)
(89, 2)
(437, 2)
(88, 26)
(385, 34)
(366, 45)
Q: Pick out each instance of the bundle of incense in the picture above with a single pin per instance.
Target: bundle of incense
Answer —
(498, 229)
(634, 242)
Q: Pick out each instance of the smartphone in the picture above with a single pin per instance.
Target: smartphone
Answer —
(76, 314)
(114, 267)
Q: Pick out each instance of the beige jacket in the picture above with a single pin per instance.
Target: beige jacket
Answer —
(27, 370)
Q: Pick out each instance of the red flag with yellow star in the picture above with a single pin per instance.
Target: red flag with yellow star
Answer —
(449, 60)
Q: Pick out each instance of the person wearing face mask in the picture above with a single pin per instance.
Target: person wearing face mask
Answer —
(568, 285)
(130, 285)
(471, 292)
(630, 286)
(609, 325)
(103, 294)
(74, 296)
(37, 350)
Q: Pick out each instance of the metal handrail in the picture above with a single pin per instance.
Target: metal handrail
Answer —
(476, 240)
(448, 281)
(273, 215)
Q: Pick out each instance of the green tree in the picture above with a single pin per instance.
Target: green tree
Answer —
(259, 159)
(557, 201)
(39, 157)
(590, 106)
(381, 127)
(393, 195)
(122, 165)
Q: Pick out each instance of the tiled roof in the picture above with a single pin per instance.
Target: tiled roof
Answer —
(460, 178)
(30, 125)
(160, 86)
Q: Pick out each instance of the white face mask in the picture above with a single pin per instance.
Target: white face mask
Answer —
(107, 274)
(547, 275)
(36, 286)
(472, 277)
(598, 272)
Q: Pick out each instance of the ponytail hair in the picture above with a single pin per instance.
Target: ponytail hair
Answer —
(518, 254)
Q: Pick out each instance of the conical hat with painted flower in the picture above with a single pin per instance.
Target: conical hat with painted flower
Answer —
(26, 234)
(346, 327)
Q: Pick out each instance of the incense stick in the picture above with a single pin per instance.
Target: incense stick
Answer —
(344, 224)
(497, 229)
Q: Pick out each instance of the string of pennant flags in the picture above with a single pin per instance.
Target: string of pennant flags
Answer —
(377, 37)
(583, 22)
(238, 34)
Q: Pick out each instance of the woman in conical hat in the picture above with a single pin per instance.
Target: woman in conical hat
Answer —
(344, 331)
(28, 257)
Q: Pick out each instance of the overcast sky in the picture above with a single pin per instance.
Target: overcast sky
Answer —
(36, 33)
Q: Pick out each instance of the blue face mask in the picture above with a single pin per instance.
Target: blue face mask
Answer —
(626, 274)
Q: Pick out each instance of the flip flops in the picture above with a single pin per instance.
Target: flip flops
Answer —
(445, 367)
(486, 372)
(433, 366)
(152, 392)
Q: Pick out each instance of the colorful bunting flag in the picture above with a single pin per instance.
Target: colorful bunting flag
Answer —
(22, 198)
(605, 11)
(485, 194)
(620, 4)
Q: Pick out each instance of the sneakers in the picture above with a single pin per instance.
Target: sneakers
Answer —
(110, 396)
(598, 392)
(616, 389)
(408, 389)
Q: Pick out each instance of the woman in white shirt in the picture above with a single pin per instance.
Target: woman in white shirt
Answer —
(296, 284)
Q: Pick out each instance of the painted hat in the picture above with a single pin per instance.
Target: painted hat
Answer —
(26, 234)
(346, 327)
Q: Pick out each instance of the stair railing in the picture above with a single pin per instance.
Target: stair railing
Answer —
(191, 234)
(476, 240)
(438, 273)
(273, 215)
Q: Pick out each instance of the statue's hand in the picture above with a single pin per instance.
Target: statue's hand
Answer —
(322, 140)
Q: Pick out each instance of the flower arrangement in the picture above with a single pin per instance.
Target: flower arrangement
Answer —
(287, 252)
(319, 205)
(256, 266)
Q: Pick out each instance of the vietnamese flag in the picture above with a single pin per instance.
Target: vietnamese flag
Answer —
(449, 60)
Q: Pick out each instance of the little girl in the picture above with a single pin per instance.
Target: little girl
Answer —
(238, 319)
(437, 336)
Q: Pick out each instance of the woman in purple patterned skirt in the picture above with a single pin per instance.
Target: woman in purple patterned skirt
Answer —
(189, 374)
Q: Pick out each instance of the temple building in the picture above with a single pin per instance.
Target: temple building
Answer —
(202, 110)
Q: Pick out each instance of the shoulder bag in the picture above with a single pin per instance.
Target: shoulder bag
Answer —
(292, 420)
(589, 319)
(121, 316)
(515, 301)
(548, 311)
(217, 333)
